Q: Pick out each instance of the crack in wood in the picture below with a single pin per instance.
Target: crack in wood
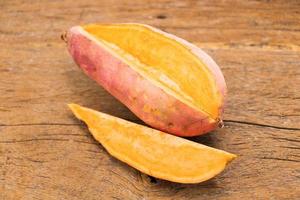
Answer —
(227, 121)
(288, 147)
(238, 143)
(36, 161)
(86, 142)
(285, 139)
(224, 28)
(261, 125)
(41, 124)
(93, 151)
(32, 140)
(280, 159)
(64, 134)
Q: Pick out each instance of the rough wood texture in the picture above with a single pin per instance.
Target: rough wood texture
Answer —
(45, 153)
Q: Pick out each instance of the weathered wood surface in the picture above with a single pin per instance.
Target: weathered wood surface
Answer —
(45, 153)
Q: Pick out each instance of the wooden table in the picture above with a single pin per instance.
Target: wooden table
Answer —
(45, 153)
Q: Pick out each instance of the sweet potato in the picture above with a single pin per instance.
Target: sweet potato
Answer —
(154, 152)
(169, 83)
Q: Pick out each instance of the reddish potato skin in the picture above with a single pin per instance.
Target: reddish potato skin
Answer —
(149, 102)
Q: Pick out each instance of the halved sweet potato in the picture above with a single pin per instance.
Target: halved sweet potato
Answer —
(151, 151)
(167, 82)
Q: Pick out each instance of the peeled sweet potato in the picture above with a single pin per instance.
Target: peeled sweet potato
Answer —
(154, 152)
(169, 83)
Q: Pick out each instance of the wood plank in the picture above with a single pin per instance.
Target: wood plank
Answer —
(45, 162)
(255, 82)
(45, 153)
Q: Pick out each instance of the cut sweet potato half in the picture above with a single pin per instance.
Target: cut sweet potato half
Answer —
(166, 81)
(151, 151)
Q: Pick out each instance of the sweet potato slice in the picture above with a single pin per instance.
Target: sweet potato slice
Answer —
(151, 151)
(166, 81)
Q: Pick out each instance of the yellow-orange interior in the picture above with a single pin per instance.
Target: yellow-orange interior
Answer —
(165, 61)
(153, 152)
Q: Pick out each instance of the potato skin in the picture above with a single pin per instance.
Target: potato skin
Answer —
(149, 102)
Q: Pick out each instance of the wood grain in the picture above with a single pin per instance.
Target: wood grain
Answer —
(45, 153)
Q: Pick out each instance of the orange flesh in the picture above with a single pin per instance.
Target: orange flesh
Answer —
(151, 151)
(165, 61)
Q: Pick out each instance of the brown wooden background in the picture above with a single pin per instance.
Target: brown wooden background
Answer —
(45, 153)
